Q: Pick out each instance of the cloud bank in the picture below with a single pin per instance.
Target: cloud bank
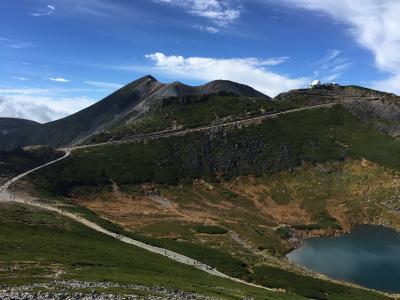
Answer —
(251, 71)
(41, 105)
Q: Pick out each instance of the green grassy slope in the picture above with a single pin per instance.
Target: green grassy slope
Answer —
(201, 110)
(38, 243)
(281, 143)
(189, 112)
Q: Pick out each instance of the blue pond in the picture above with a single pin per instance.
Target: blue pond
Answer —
(369, 256)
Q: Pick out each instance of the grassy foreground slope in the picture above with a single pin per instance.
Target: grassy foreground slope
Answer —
(40, 246)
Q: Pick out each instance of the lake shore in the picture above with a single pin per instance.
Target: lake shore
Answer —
(360, 258)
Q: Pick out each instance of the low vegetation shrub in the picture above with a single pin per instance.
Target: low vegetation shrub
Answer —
(208, 229)
(316, 226)
(283, 232)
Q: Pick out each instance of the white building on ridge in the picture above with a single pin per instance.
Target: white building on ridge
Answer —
(317, 84)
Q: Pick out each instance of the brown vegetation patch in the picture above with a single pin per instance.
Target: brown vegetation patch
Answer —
(130, 211)
(259, 195)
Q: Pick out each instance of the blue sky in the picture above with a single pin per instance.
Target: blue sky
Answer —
(59, 56)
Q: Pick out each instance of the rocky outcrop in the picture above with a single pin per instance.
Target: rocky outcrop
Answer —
(330, 93)
(382, 113)
(379, 109)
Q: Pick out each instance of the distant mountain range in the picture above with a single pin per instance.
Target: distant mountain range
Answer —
(9, 125)
(147, 105)
(126, 103)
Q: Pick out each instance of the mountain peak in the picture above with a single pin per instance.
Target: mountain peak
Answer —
(148, 77)
(227, 86)
(179, 89)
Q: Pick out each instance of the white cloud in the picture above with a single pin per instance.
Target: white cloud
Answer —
(390, 84)
(100, 8)
(10, 43)
(332, 66)
(250, 71)
(20, 78)
(58, 79)
(25, 91)
(220, 12)
(41, 105)
(104, 85)
(46, 11)
(274, 61)
(374, 24)
(209, 29)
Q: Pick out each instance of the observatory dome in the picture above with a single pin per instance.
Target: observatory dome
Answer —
(315, 83)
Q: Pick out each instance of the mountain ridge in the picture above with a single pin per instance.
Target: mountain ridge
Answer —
(127, 102)
(223, 100)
